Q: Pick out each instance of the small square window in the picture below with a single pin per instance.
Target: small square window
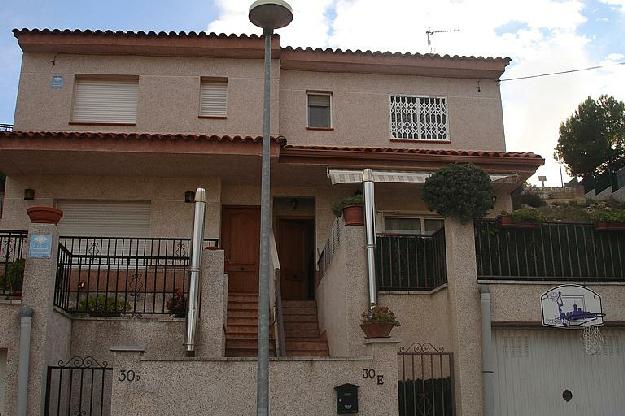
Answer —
(319, 110)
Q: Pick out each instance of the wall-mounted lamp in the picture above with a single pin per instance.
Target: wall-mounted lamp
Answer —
(189, 197)
(29, 194)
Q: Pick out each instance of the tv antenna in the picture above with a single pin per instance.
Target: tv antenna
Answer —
(429, 33)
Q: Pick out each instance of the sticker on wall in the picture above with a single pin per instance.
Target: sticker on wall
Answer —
(57, 82)
(40, 246)
(569, 306)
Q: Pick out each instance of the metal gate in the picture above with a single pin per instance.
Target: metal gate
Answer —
(426, 385)
(79, 387)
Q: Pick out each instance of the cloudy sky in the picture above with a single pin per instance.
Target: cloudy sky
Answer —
(539, 35)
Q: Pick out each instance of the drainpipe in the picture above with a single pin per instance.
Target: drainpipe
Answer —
(488, 367)
(195, 270)
(26, 314)
(367, 181)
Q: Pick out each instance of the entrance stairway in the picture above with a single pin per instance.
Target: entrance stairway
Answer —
(300, 321)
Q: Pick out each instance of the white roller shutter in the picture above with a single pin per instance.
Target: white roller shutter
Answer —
(104, 219)
(534, 368)
(105, 101)
(213, 99)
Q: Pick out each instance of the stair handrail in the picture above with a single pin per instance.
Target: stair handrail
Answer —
(276, 300)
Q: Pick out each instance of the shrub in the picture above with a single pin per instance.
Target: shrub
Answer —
(606, 215)
(527, 215)
(380, 314)
(461, 191)
(527, 198)
(177, 304)
(103, 305)
(356, 199)
(14, 276)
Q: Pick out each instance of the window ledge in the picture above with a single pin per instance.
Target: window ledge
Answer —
(214, 117)
(320, 128)
(96, 123)
(392, 139)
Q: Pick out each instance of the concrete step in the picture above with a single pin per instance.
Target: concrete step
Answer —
(299, 310)
(245, 306)
(300, 318)
(242, 329)
(242, 321)
(243, 297)
(242, 314)
(245, 343)
(302, 344)
(302, 333)
(290, 326)
(298, 303)
(307, 353)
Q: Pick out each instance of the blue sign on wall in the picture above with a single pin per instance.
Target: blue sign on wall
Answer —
(40, 246)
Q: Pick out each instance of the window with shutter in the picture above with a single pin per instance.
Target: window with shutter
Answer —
(320, 110)
(105, 101)
(213, 98)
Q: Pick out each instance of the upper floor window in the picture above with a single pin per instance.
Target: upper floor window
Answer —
(412, 225)
(105, 100)
(419, 118)
(214, 97)
(320, 110)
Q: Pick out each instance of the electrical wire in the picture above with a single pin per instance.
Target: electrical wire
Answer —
(568, 71)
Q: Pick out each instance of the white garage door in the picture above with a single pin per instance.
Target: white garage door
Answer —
(104, 219)
(534, 368)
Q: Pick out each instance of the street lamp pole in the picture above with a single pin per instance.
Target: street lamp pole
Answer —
(269, 15)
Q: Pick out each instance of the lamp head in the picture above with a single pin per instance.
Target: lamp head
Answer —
(271, 14)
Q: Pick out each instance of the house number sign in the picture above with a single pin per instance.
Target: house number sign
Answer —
(128, 375)
(370, 373)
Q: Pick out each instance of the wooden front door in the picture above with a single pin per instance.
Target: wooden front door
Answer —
(296, 255)
(240, 234)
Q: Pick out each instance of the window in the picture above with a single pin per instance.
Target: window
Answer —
(213, 97)
(109, 101)
(412, 225)
(419, 118)
(319, 110)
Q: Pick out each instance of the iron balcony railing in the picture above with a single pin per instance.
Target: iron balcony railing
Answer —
(115, 275)
(410, 262)
(6, 127)
(550, 251)
(12, 250)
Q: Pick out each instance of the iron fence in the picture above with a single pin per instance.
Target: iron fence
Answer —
(12, 249)
(78, 387)
(410, 262)
(558, 251)
(426, 385)
(110, 276)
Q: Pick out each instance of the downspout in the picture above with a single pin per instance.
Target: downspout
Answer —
(367, 184)
(488, 367)
(197, 239)
(26, 314)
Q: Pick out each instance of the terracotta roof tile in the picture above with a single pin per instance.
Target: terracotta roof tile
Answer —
(138, 136)
(433, 152)
(130, 33)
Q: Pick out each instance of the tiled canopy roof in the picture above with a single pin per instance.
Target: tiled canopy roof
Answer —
(138, 136)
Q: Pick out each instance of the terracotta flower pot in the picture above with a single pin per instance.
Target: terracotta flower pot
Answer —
(377, 329)
(44, 215)
(609, 226)
(353, 215)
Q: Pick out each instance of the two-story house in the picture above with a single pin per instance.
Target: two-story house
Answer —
(118, 129)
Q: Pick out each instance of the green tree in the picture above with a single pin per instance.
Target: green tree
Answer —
(592, 140)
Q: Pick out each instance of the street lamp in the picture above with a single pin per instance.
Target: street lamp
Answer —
(270, 15)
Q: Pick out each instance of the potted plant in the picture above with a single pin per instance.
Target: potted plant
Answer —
(378, 322)
(13, 278)
(609, 219)
(462, 191)
(351, 208)
(44, 215)
(177, 304)
(102, 305)
(520, 218)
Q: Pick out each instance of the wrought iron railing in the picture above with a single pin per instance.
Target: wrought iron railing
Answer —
(410, 262)
(332, 243)
(12, 250)
(550, 251)
(111, 276)
(6, 127)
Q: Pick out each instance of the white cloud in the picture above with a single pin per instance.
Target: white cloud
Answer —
(540, 36)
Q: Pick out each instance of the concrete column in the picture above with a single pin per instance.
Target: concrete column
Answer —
(127, 378)
(465, 316)
(50, 334)
(384, 353)
(213, 306)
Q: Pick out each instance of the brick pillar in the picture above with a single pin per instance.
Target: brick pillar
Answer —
(465, 316)
(50, 336)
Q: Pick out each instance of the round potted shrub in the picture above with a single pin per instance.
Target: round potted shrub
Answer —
(461, 191)
(520, 218)
(44, 215)
(378, 322)
(351, 208)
